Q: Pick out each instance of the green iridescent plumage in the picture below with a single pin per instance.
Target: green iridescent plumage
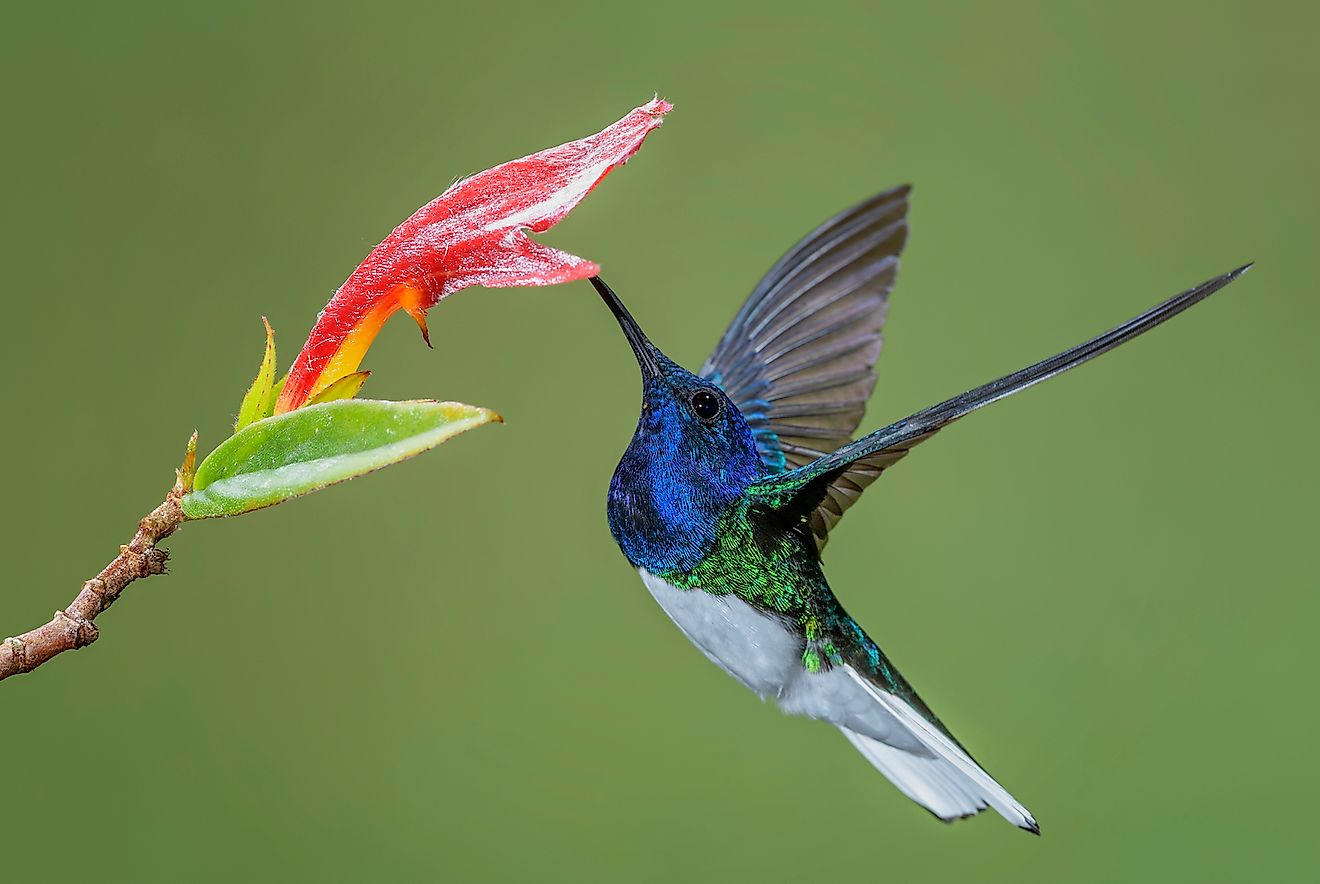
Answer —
(778, 571)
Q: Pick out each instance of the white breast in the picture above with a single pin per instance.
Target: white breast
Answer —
(765, 655)
(755, 648)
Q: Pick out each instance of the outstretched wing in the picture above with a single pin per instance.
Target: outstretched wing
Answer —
(799, 358)
(806, 491)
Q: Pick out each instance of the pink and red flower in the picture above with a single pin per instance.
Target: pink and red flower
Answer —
(475, 233)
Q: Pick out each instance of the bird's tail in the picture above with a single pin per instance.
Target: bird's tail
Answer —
(940, 776)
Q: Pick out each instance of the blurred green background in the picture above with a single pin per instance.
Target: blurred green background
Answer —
(1105, 586)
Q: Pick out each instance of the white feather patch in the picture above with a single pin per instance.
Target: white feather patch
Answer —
(765, 655)
(758, 650)
(955, 778)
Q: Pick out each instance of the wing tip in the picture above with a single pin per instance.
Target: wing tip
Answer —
(1225, 278)
(1210, 286)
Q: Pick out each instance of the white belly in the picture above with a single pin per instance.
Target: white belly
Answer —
(755, 648)
(765, 655)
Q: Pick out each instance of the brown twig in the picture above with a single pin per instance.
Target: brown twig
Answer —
(75, 626)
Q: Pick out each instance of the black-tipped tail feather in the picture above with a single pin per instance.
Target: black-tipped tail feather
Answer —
(941, 777)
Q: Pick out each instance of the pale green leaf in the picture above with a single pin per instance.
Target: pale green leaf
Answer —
(267, 407)
(250, 411)
(307, 449)
(345, 388)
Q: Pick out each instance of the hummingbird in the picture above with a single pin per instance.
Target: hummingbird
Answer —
(724, 499)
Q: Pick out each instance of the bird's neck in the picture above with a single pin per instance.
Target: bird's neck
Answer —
(669, 502)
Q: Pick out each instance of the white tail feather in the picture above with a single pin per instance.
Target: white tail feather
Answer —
(950, 784)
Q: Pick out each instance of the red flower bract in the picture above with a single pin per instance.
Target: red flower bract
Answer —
(472, 234)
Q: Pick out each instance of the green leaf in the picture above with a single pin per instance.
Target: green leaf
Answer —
(267, 406)
(345, 388)
(307, 449)
(255, 398)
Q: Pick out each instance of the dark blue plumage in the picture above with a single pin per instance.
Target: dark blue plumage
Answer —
(679, 474)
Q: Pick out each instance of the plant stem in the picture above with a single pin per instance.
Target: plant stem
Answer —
(75, 627)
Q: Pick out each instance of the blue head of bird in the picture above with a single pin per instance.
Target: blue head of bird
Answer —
(691, 457)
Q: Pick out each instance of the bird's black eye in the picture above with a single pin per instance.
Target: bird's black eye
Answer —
(705, 405)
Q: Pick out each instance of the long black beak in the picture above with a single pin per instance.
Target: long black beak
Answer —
(643, 349)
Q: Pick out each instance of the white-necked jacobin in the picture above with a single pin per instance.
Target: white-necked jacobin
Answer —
(734, 477)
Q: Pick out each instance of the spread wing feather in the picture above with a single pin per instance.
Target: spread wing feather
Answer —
(799, 358)
(830, 483)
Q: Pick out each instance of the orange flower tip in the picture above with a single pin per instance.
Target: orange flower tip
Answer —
(419, 316)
